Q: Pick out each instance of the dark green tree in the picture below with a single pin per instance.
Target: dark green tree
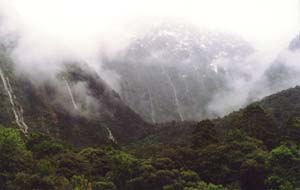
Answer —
(258, 124)
(253, 175)
(14, 157)
(205, 133)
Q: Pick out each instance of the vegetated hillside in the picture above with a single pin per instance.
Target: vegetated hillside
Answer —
(174, 70)
(74, 105)
(283, 106)
(277, 110)
(253, 148)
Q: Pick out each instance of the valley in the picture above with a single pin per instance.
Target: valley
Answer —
(174, 107)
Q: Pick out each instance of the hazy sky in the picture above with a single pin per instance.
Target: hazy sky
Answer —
(267, 23)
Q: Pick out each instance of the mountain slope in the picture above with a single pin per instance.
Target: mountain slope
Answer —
(76, 105)
(267, 119)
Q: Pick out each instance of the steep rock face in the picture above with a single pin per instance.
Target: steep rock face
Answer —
(173, 71)
(76, 106)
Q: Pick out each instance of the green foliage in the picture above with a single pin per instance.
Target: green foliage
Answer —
(44, 146)
(25, 181)
(97, 159)
(162, 163)
(253, 175)
(123, 167)
(258, 124)
(14, 157)
(45, 168)
(284, 163)
(104, 185)
(291, 131)
(239, 148)
(205, 134)
(189, 175)
(72, 164)
(204, 186)
(79, 183)
(212, 164)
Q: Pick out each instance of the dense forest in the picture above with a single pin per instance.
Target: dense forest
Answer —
(255, 148)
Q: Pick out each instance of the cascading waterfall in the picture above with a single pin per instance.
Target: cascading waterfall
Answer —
(151, 105)
(110, 135)
(174, 92)
(17, 110)
(71, 94)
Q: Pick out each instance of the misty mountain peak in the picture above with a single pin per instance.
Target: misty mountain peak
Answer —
(172, 71)
(183, 42)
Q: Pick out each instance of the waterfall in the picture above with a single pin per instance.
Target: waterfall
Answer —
(17, 110)
(71, 94)
(174, 93)
(124, 87)
(151, 105)
(110, 135)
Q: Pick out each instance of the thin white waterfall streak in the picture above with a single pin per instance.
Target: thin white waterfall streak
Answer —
(174, 93)
(124, 88)
(17, 110)
(151, 105)
(71, 94)
(186, 90)
(110, 135)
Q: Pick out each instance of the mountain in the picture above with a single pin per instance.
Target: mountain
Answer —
(75, 105)
(173, 71)
(256, 147)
